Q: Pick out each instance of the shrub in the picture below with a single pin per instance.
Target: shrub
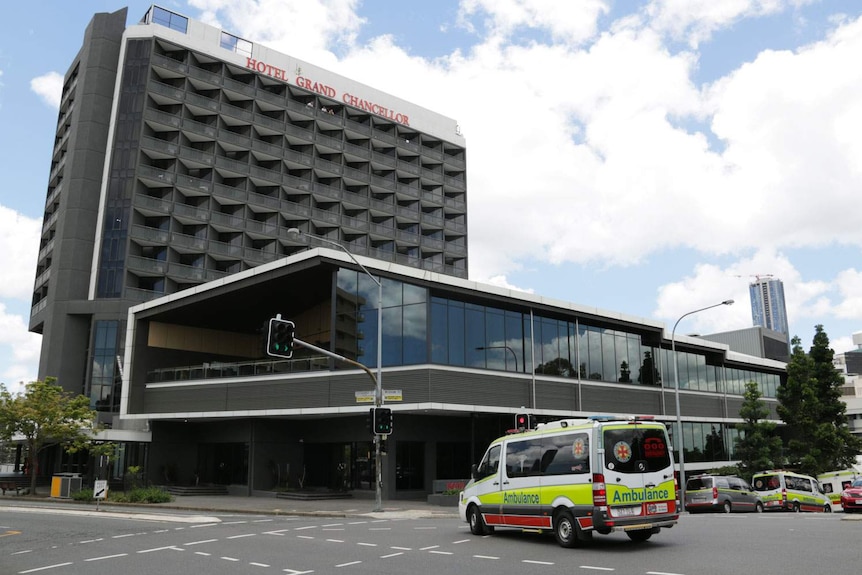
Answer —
(142, 495)
(83, 495)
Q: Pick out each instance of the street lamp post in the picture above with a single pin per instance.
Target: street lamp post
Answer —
(514, 355)
(378, 391)
(679, 440)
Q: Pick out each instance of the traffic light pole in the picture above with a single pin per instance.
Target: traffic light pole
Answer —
(377, 402)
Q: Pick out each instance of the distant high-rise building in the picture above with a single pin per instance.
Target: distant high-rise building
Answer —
(767, 305)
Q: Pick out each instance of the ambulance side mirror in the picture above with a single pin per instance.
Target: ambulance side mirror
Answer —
(474, 472)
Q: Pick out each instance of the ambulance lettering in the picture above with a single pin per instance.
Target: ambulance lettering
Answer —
(639, 496)
(521, 498)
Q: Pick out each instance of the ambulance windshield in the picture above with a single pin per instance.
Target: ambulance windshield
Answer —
(636, 449)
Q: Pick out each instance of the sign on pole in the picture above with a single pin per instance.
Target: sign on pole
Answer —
(392, 395)
(100, 489)
(365, 396)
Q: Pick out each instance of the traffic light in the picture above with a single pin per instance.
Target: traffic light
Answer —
(369, 421)
(522, 421)
(382, 421)
(279, 341)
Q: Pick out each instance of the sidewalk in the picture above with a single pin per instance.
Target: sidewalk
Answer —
(351, 507)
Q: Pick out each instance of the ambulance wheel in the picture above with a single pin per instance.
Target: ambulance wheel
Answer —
(640, 535)
(758, 507)
(477, 524)
(827, 508)
(565, 529)
(796, 508)
(726, 507)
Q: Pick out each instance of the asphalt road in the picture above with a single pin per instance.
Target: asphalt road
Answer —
(49, 542)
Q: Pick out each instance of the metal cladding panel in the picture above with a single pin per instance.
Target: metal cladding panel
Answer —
(414, 385)
(185, 399)
(476, 389)
(635, 400)
(701, 405)
(557, 395)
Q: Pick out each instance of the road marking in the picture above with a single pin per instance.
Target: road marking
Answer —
(367, 544)
(392, 555)
(123, 536)
(335, 540)
(306, 527)
(234, 522)
(380, 529)
(23, 552)
(279, 533)
(447, 553)
(597, 568)
(204, 525)
(200, 542)
(46, 567)
(230, 559)
(333, 525)
(242, 536)
(349, 564)
(460, 541)
(159, 549)
(429, 547)
(202, 553)
(161, 531)
(92, 540)
(106, 557)
(304, 537)
(357, 522)
(425, 528)
(292, 572)
(402, 548)
(262, 521)
(258, 564)
(661, 573)
(536, 562)
(485, 557)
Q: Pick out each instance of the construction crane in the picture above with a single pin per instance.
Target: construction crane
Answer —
(755, 276)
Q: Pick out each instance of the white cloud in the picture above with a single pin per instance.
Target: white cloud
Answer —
(575, 21)
(19, 348)
(19, 249)
(49, 87)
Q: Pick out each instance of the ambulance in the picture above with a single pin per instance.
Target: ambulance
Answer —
(789, 491)
(576, 477)
(833, 483)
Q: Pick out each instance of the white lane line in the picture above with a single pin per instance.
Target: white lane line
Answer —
(460, 541)
(661, 573)
(596, 568)
(485, 557)
(306, 527)
(258, 564)
(241, 536)
(536, 562)
(22, 552)
(335, 540)
(367, 544)
(392, 555)
(430, 528)
(349, 564)
(262, 521)
(292, 572)
(357, 522)
(159, 549)
(446, 553)
(46, 567)
(203, 525)
(123, 536)
(230, 559)
(200, 542)
(204, 554)
(380, 529)
(333, 525)
(161, 531)
(93, 540)
(402, 548)
(429, 547)
(234, 522)
(106, 557)
(304, 537)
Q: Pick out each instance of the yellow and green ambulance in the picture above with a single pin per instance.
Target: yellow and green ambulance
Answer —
(789, 491)
(576, 477)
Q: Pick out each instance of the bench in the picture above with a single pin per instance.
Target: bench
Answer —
(10, 485)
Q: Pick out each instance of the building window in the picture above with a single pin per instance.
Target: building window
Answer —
(234, 44)
(170, 20)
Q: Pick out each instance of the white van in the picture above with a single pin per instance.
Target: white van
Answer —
(576, 477)
(834, 482)
(790, 491)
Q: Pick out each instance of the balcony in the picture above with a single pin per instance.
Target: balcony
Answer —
(169, 64)
(230, 221)
(432, 220)
(188, 242)
(193, 99)
(268, 229)
(230, 193)
(146, 266)
(273, 176)
(162, 118)
(193, 185)
(271, 123)
(242, 114)
(240, 140)
(149, 236)
(256, 199)
(238, 167)
(206, 131)
(238, 87)
(326, 217)
(211, 78)
(162, 89)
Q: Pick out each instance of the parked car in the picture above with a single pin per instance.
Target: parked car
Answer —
(723, 493)
(789, 491)
(851, 497)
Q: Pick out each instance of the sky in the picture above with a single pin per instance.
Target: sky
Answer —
(644, 157)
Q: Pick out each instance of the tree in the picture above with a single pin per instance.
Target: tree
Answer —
(819, 438)
(758, 446)
(46, 415)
